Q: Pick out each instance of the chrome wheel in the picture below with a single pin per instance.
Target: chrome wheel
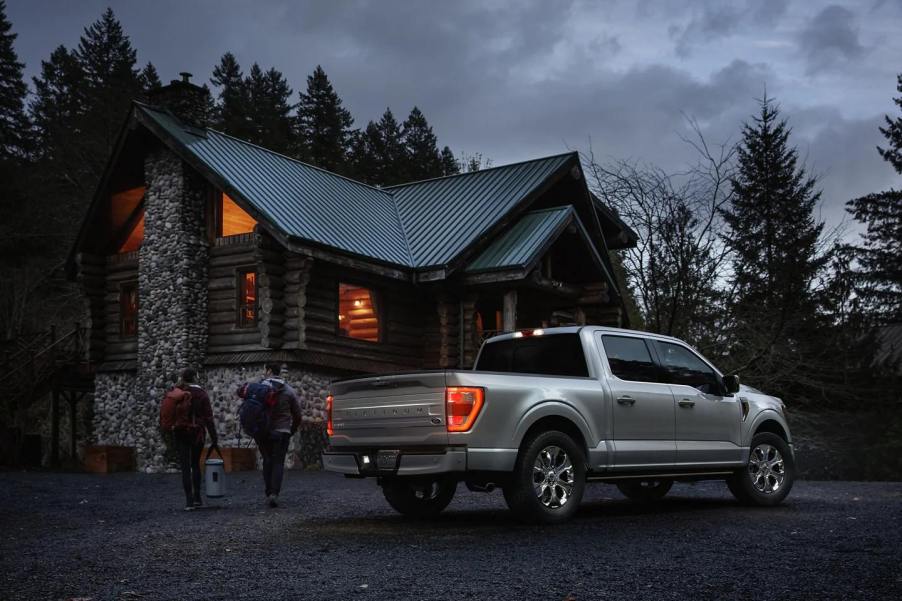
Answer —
(553, 476)
(766, 469)
(427, 492)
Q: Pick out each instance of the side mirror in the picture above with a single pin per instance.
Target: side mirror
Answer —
(731, 383)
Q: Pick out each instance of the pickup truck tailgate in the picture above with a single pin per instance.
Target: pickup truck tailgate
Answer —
(390, 411)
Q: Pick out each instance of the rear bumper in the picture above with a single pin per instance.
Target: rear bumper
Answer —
(411, 464)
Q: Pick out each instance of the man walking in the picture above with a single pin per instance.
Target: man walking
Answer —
(187, 414)
(273, 433)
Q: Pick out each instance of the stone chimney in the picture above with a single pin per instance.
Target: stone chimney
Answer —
(185, 100)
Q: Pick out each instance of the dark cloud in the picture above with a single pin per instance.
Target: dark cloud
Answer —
(512, 80)
(830, 39)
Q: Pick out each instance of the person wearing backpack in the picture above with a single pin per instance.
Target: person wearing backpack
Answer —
(271, 414)
(187, 414)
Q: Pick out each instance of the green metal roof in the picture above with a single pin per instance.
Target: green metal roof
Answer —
(524, 242)
(301, 200)
(419, 225)
(442, 217)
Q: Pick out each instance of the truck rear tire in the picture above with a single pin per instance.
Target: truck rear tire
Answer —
(768, 477)
(417, 497)
(549, 479)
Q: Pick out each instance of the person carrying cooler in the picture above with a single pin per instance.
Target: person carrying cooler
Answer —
(271, 414)
(187, 414)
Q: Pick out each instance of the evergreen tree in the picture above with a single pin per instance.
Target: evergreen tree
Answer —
(231, 112)
(388, 151)
(449, 163)
(423, 158)
(361, 156)
(324, 125)
(269, 112)
(878, 275)
(773, 237)
(112, 81)
(12, 93)
(893, 133)
(150, 80)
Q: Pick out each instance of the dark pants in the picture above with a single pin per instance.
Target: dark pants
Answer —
(273, 449)
(189, 447)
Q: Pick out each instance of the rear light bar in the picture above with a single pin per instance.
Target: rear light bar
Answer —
(463, 406)
(329, 429)
(528, 333)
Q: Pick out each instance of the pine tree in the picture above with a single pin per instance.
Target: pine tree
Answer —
(231, 112)
(388, 151)
(423, 158)
(361, 156)
(893, 133)
(150, 80)
(324, 125)
(450, 166)
(112, 81)
(12, 93)
(878, 275)
(773, 237)
(269, 112)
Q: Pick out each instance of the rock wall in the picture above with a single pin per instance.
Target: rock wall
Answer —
(311, 387)
(119, 420)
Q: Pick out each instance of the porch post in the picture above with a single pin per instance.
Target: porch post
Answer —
(510, 311)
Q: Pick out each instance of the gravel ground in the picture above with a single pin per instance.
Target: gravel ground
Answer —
(124, 536)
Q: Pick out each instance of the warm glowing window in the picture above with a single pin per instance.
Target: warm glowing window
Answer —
(127, 218)
(358, 313)
(247, 298)
(128, 310)
(233, 219)
(135, 237)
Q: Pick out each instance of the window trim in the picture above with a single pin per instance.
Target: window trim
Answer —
(378, 303)
(123, 287)
(652, 353)
(240, 273)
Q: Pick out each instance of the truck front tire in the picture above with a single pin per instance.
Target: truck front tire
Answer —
(419, 498)
(549, 479)
(768, 476)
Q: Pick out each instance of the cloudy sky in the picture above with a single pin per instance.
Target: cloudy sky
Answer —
(516, 80)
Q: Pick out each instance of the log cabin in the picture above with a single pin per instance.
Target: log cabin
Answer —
(205, 250)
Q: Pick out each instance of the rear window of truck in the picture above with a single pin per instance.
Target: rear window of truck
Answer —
(552, 355)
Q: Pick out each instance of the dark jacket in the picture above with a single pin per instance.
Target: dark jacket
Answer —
(286, 413)
(203, 413)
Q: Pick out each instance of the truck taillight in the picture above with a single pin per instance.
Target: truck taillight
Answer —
(463, 406)
(329, 430)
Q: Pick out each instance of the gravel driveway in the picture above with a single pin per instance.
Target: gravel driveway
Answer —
(124, 536)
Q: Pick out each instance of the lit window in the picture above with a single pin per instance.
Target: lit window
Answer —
(233, 219)
(247, 298)
(128, 310)
(358, 313)
(135, 237)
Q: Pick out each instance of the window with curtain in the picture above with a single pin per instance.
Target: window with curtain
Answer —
(247, 298)
(358, 313)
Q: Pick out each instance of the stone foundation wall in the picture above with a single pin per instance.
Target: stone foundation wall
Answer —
(122, 417)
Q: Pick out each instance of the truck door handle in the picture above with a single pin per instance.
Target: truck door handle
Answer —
(686, 403)
(626, 400)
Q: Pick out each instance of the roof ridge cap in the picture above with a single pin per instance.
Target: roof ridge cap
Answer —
(432, 179)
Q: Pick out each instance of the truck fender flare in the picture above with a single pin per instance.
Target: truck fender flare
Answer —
(763, 416)
(550, 408)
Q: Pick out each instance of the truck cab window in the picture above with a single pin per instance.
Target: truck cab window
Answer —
(685, 367)
(556, 355)
(630, 359)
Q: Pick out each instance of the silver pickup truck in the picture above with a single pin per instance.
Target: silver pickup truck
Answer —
(545, 411)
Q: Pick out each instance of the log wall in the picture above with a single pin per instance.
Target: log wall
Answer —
(227, 257)
(120, 269)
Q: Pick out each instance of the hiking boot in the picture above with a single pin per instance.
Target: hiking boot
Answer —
(273, 500)
(197, 502)
(189, 507)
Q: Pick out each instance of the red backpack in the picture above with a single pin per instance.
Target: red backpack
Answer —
(177, 410)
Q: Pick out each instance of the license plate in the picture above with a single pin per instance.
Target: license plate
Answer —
(387, 460)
